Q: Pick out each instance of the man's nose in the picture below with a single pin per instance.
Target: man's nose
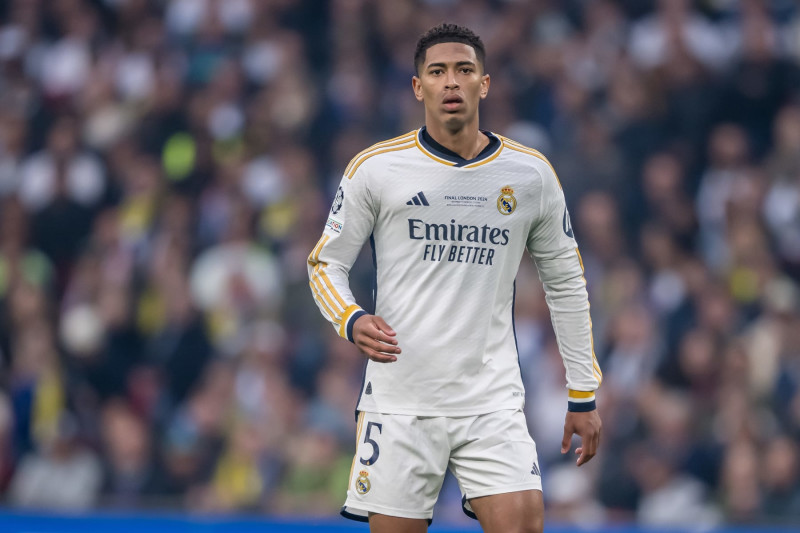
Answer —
(451, 80)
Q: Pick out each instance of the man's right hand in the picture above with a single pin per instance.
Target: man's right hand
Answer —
(375, 339)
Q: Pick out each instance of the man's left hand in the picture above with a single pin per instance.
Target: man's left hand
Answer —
(587, 426)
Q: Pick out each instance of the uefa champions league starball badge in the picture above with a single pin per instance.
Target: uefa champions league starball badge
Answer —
(338, 201)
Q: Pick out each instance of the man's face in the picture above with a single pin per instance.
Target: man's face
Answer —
(451, 83)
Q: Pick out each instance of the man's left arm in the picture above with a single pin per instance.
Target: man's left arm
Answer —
(552, 244)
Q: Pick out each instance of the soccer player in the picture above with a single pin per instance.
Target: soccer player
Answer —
(449, 210)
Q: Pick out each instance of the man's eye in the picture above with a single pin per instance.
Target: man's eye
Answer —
(436, 72)
(466, 70)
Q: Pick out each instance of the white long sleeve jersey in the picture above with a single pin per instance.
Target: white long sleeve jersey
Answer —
(447, 237)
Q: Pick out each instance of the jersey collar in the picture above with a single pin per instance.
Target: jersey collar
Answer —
(439, 153)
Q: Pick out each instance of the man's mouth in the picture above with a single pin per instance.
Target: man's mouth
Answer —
(452, 101)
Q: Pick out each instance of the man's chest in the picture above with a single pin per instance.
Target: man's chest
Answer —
(495, 198)
(455, 216)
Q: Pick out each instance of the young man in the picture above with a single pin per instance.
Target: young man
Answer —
(449, 210)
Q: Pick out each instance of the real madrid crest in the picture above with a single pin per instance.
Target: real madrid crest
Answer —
(362, 483)
(506, 203)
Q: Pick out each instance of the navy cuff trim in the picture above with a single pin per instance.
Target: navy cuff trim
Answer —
(583, 407)
(355, 316)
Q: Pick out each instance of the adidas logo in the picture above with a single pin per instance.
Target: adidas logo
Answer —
(369, 388)
(535, 470)
(418, 199)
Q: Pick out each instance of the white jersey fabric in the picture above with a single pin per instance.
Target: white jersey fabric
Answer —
(447, 237)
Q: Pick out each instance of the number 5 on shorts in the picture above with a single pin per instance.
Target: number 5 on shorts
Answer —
(376, 451)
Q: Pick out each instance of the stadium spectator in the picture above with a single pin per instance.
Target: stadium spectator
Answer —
(166, 166)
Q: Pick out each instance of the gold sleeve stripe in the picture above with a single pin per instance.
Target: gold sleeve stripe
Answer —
(358, 439)
(375, 147)
(488, 159)
(316, 287)
(432, 156)
(336, 310)
(332, 290)
(512, 142)
(596, 366)
(597, 372)
(319, 270)
(322, 283)
(508, 140)
(526, 150)
(347, 314)
(356, 162)
(314, 257)
(319, 278)
(530, 151)
(325, 299)
(322, 304)
(383, 144)
(409, 144)
(579, 394)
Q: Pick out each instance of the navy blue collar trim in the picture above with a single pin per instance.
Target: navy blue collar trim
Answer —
(440, 151)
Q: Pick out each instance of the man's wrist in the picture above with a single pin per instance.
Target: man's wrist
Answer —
(581, 401)
(351, 314)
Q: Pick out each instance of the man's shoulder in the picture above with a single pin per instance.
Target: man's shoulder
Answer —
(530, 157)
(381, 149)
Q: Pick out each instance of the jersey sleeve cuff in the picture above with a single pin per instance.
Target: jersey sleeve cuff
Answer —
(351, 314)
(581, 401)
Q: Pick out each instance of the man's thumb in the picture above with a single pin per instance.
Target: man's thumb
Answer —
(565, 442)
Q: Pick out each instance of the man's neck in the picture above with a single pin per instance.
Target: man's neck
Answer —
(467, 141)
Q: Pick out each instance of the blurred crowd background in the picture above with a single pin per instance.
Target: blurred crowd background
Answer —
(166, 166)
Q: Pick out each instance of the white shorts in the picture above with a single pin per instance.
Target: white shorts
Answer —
(400, 461)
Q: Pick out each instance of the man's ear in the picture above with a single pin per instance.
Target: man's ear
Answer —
(485, 82)
(416, 84)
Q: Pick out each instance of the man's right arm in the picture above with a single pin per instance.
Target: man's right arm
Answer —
(350, 222)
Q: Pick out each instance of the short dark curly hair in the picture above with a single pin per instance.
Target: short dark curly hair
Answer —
(448, 33)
